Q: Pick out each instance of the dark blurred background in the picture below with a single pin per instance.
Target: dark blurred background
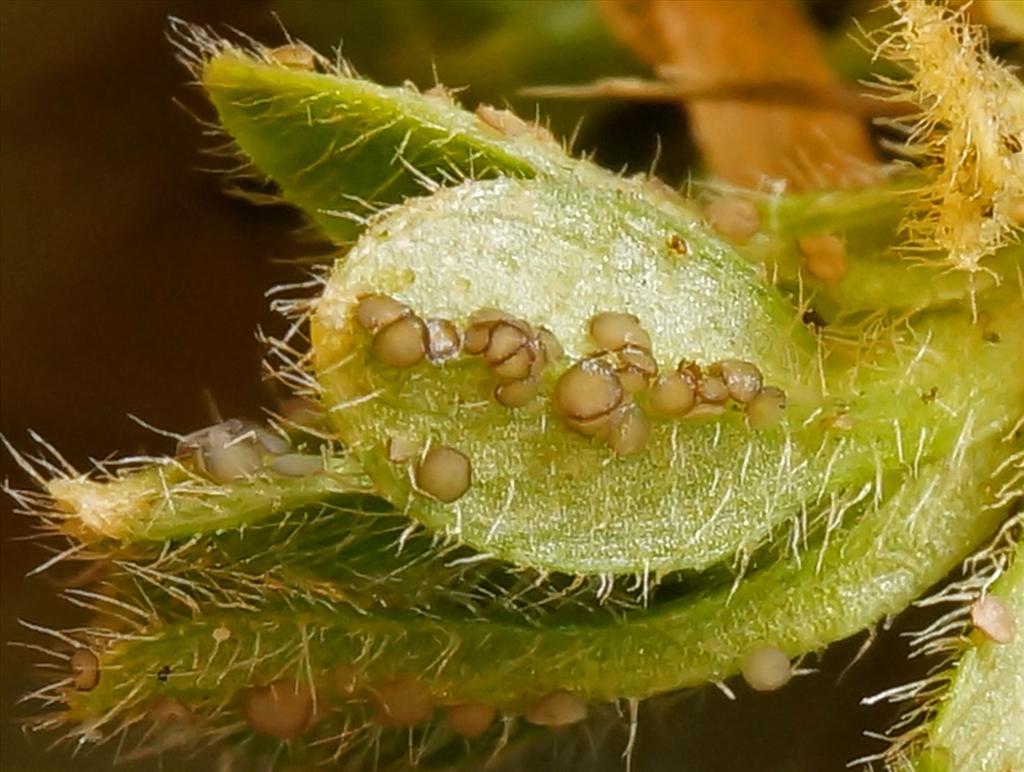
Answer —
(132, 284)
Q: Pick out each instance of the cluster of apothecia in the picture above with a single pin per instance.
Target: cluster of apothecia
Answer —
(237, 449)
(286, 709)
(608, 394)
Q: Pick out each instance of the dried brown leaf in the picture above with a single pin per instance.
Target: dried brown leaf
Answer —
(704, 45)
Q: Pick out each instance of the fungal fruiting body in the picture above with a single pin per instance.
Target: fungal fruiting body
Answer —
(403, 702)
(766, 668)
(560, 708)
(736, 219)
(282, 710)
(824, 256)
(991, 616)
(85, 669)
(470, 719)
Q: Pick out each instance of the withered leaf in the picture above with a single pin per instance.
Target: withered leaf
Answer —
(702, 46)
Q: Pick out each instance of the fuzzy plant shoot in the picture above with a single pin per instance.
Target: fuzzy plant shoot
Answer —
(579, 439)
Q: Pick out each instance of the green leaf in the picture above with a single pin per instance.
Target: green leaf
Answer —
(338, 145)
